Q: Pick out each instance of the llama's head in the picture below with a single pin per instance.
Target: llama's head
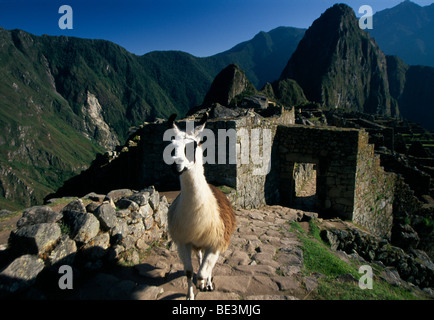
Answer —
(187, 146)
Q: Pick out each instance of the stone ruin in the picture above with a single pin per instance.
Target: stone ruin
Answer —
(350, 184)
(86, 234)
(350, 180)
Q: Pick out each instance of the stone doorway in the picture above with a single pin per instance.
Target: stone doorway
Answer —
(305, 187)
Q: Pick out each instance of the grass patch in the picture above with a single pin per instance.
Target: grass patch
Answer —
(330, 289)
(225, 189)
(319, 258)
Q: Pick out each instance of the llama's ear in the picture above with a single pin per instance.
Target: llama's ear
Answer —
(201, 124)
(171, 121)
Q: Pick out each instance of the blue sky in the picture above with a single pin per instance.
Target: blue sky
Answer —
(200, 27)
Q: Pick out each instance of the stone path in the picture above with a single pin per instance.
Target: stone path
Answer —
(263, 261)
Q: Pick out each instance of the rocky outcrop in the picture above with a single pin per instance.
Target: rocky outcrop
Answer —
(95, 125)
(412, 265)
(87, 233)
(228, 84)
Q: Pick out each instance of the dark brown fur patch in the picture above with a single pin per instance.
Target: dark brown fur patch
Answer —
(227, 213)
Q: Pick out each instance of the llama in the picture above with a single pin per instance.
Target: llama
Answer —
(201, 218)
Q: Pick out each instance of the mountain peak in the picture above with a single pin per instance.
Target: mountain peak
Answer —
(407, 3)
(229, 83)
(336, 64)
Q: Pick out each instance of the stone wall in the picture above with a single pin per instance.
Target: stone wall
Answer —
(85, 235)
(247, 175)
(375, 191)
(351, 184)
(334, 151)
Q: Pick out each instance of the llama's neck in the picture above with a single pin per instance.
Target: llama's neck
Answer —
(194, 186)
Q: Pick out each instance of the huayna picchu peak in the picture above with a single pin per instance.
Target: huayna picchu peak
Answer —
(338, 65)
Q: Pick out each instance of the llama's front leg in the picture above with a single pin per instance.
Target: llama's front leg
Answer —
(184, 251)
(205, 270)
(199, 256)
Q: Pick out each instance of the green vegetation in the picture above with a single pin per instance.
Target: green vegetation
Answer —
(46, 135)
(225, 189)
(319, 258)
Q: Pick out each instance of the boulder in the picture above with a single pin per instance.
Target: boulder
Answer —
(125, 203)
(95, 197)
(75, 205)
(38, 214)
(91, 236)
(160, 216)
(34, 239)
(20, 274)
(84, 226)
(118, 194)
(106, 215)
(140, 198)
(96, 248)
(64, 252)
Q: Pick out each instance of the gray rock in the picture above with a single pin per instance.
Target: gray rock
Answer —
(140, 198)
(146, 211)
(96, 248)
(35, 239)
(106, 215)
(5, 213)
(154, 200)
(256, 215)
(238, 258)
(76, 205)
(118, 194)
(120, 230)
(160, 216)
(307, 216)
(91, 207)
(95, 197)
(38, 214)
(137, 229)
(64, 252)
(125, 203)
(84, 226)
(20, 274)
(148, 222)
